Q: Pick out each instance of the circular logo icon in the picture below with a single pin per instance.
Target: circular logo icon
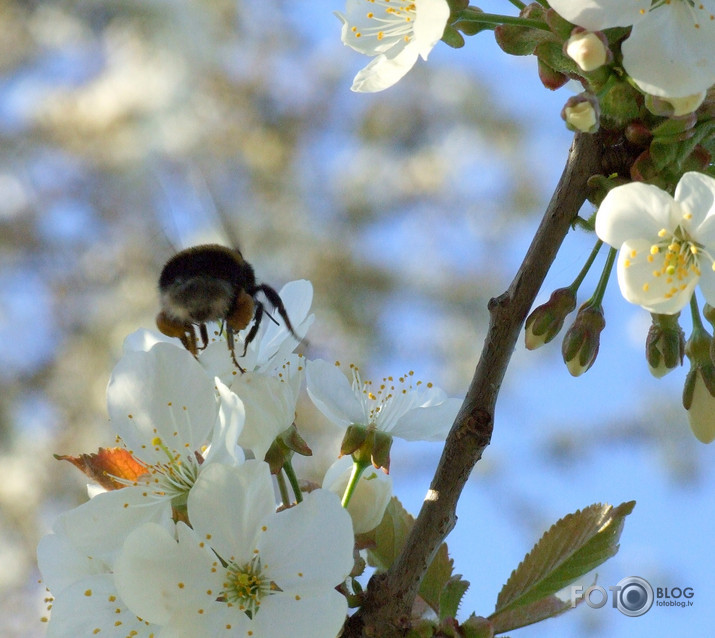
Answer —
(635, 596)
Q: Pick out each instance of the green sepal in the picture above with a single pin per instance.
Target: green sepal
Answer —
(354, 437)
(550, 77)
(380, 455)
(516, 40)
(558, 25)
(552, 53)
(689, 387)
(453, 38)
(675, 125)
(477, 627)
(620, 104)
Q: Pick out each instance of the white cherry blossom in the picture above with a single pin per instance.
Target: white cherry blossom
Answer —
(243, 570)
(671, 49)
(396, 32)
(666, 243)
(403, 407)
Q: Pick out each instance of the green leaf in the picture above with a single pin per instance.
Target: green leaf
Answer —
(573, 546)
(529, 614)
(385, 542)
(451, 596)
(387, 539)
(437, 576)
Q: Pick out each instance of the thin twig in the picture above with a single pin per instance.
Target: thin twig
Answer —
(390, 596)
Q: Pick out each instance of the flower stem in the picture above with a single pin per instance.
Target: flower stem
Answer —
(517, 4)
(293, 480)
(283, 489)
(586, 267)
(358, 468)
(597, 297)
(496, 20)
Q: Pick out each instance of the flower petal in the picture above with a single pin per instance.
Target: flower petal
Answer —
(228, 427)
(387, 68)
(300, 557)
(696, 195)
(158, 577)
(90, 607)
(277, 342)
(371, 496)
(301, 616)
(233, 529)
(596, 15)
(162, 393)
(683, 62)
(430, 19)
(332, 394)
(270, 408)
(633, 211)
(707, 283)
(98, 527)
(430, 423)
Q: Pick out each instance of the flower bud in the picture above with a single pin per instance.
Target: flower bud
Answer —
(581, 113)
(665, 345)
(699, 389)
(589, 50)
(545, 322)
(370, 498)
(699, 401)
(581, 342)
(674, 106)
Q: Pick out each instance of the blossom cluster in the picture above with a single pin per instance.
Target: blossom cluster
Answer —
(192, 530)
(666, 250)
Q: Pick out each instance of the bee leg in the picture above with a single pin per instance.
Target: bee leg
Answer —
(183, 331)
(276, 301)
(231, 347)
(204, 336)
(254, 328)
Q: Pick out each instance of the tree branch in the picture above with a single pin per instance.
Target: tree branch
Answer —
(390, 596)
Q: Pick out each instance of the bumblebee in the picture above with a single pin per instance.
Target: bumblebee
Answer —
(213, 283)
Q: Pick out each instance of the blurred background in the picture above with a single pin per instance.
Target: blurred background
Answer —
(130, 129)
